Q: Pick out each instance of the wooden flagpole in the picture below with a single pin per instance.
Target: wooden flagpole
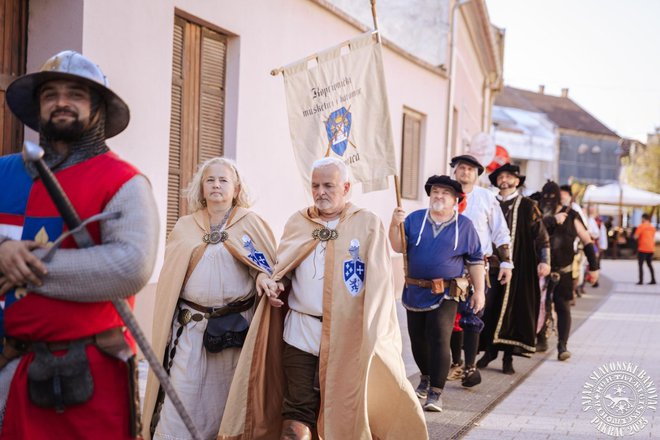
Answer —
(397, 187)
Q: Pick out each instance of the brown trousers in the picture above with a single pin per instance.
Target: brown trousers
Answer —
(301, 397)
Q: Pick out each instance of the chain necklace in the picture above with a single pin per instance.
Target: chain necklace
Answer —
(217, 234)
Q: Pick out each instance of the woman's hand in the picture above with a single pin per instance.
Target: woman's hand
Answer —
(269, 287)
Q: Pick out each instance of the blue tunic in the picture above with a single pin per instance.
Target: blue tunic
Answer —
(435, 257)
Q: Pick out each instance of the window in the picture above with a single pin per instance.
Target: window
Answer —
(410, 146)
(13, 22)
(198, 103)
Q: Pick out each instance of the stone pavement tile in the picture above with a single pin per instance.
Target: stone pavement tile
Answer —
(624, 328)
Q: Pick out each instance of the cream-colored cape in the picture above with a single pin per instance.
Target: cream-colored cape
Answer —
(182, 253)
(364, 390)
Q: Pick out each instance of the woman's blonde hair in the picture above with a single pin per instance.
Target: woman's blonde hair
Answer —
(194, 193)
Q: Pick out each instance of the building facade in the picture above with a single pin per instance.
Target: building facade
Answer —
(195, 74)
(588, 150)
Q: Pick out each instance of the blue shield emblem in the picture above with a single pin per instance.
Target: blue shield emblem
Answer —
(257, 257)
(338, 128)
(354, 270)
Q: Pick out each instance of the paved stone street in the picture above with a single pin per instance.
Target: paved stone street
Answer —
(548, 403)
(617, 321)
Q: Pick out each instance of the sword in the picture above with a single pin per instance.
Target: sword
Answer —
(33, 153)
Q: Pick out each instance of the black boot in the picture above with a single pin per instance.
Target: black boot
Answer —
(542, 341)
(489, 356)
(507, 365)
(562, 353)
(471, 377)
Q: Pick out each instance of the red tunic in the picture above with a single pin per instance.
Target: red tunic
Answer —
(90, 185)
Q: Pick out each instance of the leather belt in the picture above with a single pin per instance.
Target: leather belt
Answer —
(425, 284)
(22, 346)
(185, 316)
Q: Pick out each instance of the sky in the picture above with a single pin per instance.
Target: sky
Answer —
(606, 52)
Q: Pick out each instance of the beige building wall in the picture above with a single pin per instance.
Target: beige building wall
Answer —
(132, 42)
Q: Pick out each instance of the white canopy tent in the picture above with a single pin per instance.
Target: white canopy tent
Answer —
(620, 194)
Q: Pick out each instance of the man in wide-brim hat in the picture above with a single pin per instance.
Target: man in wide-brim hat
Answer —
(513, 170)
(64, 304)
(512, 309)
(439, 244)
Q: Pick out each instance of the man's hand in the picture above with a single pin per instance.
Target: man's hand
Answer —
(477, 301)
(561, 217)
(398, 216)
(504, 276)
(19, 265)
(543, 270)
(593, 276)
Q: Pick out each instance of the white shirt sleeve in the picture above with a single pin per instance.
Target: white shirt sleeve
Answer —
(499, 231)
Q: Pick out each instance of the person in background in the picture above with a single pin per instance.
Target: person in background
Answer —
(645, 236)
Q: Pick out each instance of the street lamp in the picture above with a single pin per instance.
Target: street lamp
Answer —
(449, 116)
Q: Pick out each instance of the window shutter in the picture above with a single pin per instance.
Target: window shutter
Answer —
(198, 100)
(212, 95)
(176, 138)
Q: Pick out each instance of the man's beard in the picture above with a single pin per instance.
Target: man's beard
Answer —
(505, 185)
(69, 133)
(437, 206)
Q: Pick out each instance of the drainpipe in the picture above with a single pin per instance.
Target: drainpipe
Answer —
(449, 116)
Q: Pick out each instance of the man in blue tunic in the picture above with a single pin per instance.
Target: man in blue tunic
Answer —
(439, 244)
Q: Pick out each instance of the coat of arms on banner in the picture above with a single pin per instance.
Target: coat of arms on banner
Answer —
(338, 128)
(354, 270)
(257, 257)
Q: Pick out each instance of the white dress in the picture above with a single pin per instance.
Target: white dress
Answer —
(202, 379)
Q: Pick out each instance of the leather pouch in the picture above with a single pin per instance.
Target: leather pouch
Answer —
(60, 381)
(458, 288)
(225, 332)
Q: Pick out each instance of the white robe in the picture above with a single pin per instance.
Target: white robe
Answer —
(202, 379)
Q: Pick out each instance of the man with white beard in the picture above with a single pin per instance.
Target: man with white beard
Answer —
(439, 244)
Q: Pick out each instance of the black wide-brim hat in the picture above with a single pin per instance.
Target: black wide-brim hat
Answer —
(468, 159)
(509, 168)
(69, 65)
(445, 181)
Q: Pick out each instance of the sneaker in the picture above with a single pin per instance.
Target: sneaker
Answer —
(652, 282)
(433, 401)
(486, 359)
(455, 371)
(423, 387)
(471, 377)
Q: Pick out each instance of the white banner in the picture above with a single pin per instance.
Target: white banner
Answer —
(339, 108)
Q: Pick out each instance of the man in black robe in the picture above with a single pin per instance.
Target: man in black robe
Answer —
(564, 225)
(512, 309)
